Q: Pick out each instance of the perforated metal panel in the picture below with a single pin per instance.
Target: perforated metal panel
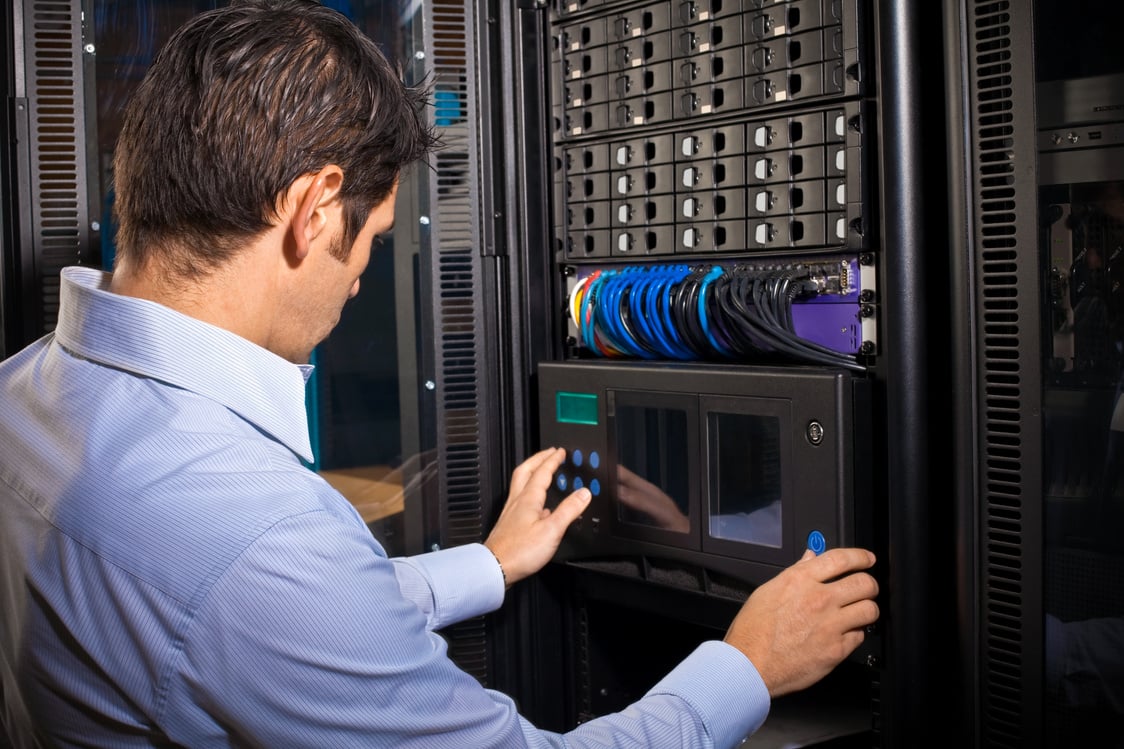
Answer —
(55, 222)
(457, 285)
(462, 376)
(1002, 144)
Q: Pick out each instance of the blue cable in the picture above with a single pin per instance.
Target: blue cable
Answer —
(609, 305)
(721, 349)
(623, 304)
(674, 275)
(652, 313)
(636, 301)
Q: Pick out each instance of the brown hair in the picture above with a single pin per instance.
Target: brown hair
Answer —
(240, 103)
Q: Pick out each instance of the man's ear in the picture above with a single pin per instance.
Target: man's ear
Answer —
(315, 197)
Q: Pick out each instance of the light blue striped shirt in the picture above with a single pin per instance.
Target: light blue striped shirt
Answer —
(170, 572)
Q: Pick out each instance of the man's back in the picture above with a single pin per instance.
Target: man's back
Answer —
(124, 498)
(179, 576)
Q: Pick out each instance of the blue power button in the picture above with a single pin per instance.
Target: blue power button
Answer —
(816, 542)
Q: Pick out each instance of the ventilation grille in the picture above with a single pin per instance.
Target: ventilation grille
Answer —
(584, 668)
(58, 202)
(1001, 372)
(457, 314)
(458, 296)
(454, 196)
(468, 647)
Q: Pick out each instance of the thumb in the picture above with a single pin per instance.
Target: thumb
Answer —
(808, 554)
(570, 508)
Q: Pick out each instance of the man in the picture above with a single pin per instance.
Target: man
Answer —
(170, 572)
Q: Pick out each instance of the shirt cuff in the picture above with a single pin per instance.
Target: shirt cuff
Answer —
(724, 689)
(464, 581)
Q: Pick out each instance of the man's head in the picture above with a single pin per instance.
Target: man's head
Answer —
(239, 104)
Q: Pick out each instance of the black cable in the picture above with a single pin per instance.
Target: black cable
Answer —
(624, 314)
(766, 324)
(740, 341)
(687, 304)
(782, 294)
(750, 318)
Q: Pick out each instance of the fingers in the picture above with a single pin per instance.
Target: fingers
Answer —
(851, 641)
(854, 592)
(540, 467)
(853, 589)
(856, 587)
(797, 626)
(527, 534)
(857, 616)
(569, 509)
(834, 563)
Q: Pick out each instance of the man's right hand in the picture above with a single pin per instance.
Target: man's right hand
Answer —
(798, 626)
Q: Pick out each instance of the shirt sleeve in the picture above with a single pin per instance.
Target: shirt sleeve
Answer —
(308, 641)
(713, 699)
(451, 585)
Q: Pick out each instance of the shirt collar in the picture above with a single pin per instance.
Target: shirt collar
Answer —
(151, 340)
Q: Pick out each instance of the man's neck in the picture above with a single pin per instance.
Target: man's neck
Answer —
(227, 297)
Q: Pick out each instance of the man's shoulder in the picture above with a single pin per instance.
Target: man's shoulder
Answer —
(158, 482)
(176, 503)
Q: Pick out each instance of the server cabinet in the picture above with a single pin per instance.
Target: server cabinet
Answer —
(1035, 184)
(659, 151)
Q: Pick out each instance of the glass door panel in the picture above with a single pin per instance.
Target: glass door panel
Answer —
(1080, 90)
(370, 438)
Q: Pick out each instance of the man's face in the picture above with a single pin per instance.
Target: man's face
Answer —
(331, 282)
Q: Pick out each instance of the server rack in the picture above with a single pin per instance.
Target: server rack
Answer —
(612, 91)
(1035, 172)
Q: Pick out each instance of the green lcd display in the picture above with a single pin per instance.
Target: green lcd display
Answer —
(576, 408)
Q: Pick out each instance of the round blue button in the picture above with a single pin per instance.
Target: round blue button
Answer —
(578, 484)
(595, 488)
(594, 459)
(561, 482)
(816, 542)
(577, 456)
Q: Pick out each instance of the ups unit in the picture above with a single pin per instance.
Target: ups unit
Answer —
(736, 471)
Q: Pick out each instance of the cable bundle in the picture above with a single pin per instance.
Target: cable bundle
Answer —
(707, 312)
